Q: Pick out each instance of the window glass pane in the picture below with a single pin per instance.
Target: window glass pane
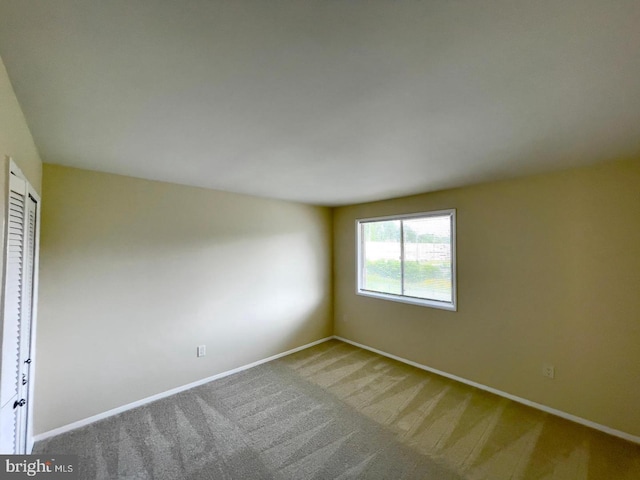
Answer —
(381, 257)
(427, 253)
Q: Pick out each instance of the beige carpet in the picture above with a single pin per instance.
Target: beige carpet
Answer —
(263, 423)
(474, 433)
(335, 411)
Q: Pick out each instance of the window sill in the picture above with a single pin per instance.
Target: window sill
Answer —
(450, 306)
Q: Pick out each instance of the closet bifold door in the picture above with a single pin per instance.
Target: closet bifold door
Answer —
(19, 277)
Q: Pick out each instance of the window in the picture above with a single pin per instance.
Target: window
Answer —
(409, 258)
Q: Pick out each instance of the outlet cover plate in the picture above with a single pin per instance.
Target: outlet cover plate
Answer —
(548, 371)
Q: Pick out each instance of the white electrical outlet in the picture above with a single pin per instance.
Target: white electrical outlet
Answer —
(548, 371)
(202, 350)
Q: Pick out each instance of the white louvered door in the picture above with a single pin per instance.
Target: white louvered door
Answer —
(20, 278)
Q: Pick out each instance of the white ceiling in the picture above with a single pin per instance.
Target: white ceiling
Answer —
(328, 102)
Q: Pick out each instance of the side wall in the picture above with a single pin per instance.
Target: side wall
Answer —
(135, 274)
(15, 138)
(548, 272)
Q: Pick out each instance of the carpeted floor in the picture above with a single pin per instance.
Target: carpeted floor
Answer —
(263, 423)
(335, 411)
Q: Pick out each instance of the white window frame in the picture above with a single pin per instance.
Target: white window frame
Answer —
(452, 306)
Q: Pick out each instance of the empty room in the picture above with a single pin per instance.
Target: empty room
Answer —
(311, 239)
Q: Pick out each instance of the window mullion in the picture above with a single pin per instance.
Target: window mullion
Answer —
(402, 257)
(363, 257)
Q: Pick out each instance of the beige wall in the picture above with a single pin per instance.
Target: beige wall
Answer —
(135, 274)
(548, 272)
(15, 138)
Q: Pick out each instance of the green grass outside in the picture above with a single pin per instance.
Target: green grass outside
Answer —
(436, 289)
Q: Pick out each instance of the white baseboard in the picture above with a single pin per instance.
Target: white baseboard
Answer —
(524, 401)
(173, 391)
